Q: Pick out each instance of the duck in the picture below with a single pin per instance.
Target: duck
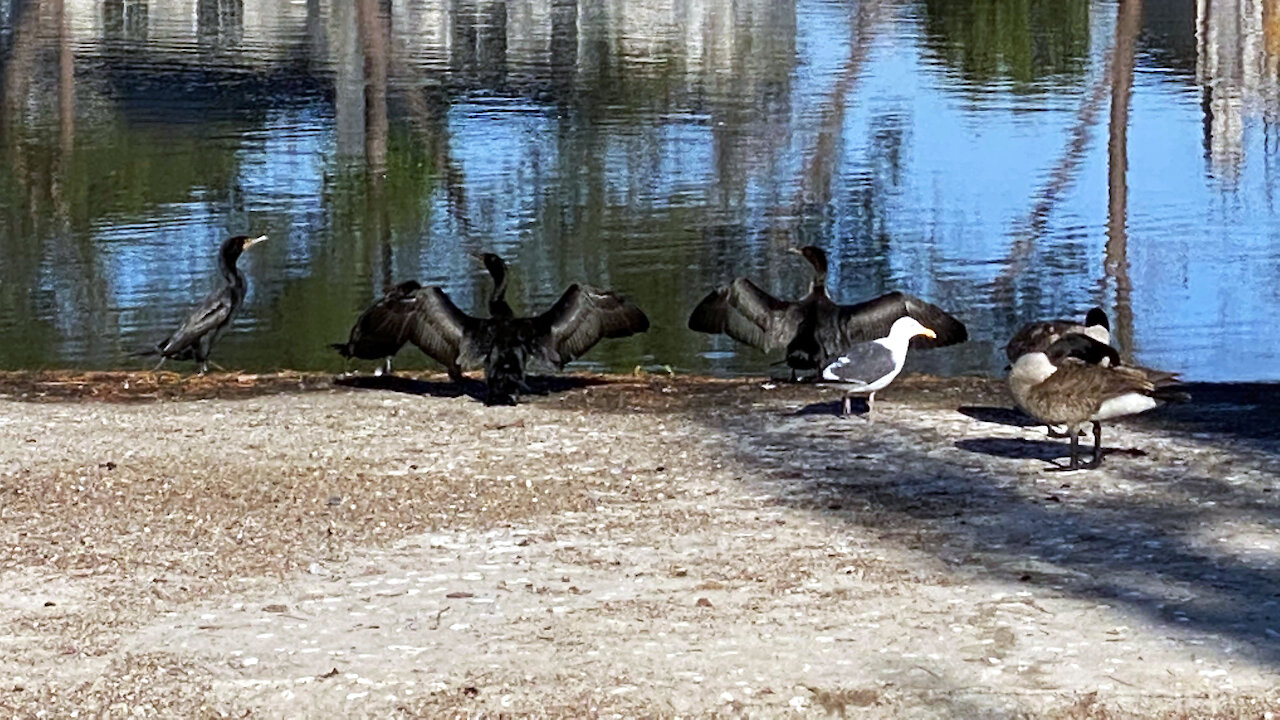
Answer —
(868, 367)
(814, 329)
(1059, 388)
(195, 337)
(1038, 336)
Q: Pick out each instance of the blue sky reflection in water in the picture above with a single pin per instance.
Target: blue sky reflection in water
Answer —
(658, 147)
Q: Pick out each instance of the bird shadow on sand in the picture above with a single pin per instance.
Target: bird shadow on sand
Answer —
(473, 388)
(830, 408)
(997, 415)
(1046, 450)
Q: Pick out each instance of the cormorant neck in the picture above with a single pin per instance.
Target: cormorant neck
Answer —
(227, 265)
(498, 306)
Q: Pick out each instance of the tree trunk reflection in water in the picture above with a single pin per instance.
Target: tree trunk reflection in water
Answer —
(372, 29)
(1128, 24)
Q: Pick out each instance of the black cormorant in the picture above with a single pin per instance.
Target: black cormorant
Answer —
(813, 329)
(1060, 389)
(871, 366)
(195, 337)
(502, 344)
(381, 330)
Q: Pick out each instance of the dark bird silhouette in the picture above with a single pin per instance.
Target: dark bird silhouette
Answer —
(382, 329)
(195, 337)
(1038, 336)
(814, 329)
(1058, 388)
(503, 344)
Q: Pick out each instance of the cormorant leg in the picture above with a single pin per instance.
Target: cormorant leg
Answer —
(1097, 446)
(793, 374)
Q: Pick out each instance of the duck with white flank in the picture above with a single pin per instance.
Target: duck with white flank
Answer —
(1059, 389)
(870, 366)
(814, 329)
(1038, 336)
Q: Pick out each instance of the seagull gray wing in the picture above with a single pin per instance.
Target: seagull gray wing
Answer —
(863, 363)
(581, 318)
(749, 315)
(871, 320)
(445, 333)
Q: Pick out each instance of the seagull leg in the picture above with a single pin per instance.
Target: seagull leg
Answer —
(846, 405)
(871, 407)
(1097, 446)
(386, 366)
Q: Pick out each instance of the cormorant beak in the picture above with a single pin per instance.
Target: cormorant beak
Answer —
(477, 256)
(930, 334)
(254, 241)
(795, 251)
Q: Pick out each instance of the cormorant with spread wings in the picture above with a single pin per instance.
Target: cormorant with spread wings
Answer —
(814, 330)
(502, 344)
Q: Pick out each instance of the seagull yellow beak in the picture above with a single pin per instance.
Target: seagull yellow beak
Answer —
(254, 241)
(930, 334)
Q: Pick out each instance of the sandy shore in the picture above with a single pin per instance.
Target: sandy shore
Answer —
(278, 546)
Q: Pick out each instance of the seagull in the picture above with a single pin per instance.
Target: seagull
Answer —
(1059, 389)
(1038, 336)
(870, 366)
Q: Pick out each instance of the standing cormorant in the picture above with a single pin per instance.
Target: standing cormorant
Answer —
(381, 330)
(871, 366)
(502, 344)
(814, 329)
(195, 337)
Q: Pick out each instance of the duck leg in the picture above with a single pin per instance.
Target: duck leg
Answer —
(1097, 446)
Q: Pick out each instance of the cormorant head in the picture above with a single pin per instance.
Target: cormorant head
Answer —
(1097, 317)
(816, 256)
(494, 264)
(236, 244)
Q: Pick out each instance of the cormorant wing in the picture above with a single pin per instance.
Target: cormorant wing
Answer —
(445, 333)
(749, 315)
(872, 319)
(582, 317)
(213, 311)
(382, 328)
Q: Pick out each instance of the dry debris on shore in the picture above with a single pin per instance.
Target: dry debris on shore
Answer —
(280, 546)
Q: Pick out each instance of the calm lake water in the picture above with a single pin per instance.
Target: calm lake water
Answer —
(972, 153)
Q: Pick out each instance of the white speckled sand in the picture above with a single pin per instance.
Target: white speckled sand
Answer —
(711, 551)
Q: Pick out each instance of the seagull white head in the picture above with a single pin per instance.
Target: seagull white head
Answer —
(907, 327)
